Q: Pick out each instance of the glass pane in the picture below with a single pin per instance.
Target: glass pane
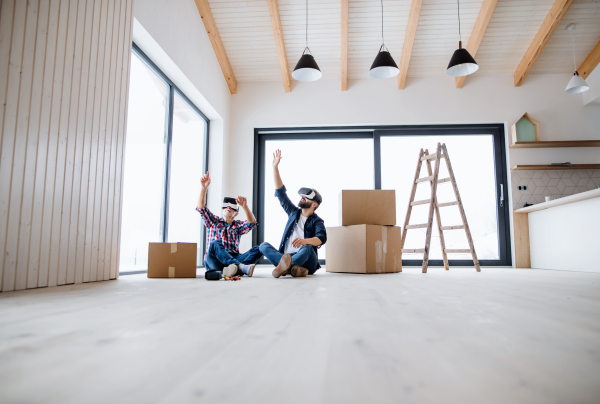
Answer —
(472, 159)
(187, 165)
(144, 176)
(328, 165)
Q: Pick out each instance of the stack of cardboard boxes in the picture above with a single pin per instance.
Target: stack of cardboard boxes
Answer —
(368, 240)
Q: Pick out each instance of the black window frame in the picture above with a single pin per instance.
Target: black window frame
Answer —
(375, 132)
(173, 89)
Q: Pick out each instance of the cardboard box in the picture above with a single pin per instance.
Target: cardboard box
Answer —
(172, 260)
(368, 207)
(364, 249)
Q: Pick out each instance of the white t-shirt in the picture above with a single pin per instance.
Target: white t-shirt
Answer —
(298, 232)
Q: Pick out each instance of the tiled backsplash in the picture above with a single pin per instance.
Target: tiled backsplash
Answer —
(555, 183)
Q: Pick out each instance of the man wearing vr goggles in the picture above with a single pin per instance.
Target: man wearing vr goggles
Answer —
(222, 244)
(304, 232)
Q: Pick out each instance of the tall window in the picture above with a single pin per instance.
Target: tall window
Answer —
(386, 158)
(165, 156)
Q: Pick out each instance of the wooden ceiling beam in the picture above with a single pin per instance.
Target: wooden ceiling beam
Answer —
(215, 39)
(590, 62)
(345, 14)
(554, 17)
(409, 40)
(481, 24)
(278, 32)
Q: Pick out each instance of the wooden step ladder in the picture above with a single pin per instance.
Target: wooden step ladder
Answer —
(432, 178)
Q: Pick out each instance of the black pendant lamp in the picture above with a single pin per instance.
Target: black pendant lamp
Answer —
(383, 66)
(462, 63)
(307, 69)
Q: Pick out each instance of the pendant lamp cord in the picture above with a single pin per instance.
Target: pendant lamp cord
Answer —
(574, 63)
(306, 34)
(382, 40)
(459, 35)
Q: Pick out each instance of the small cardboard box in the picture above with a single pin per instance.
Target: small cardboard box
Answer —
(172, 260)
(368, 207)
(364, 249)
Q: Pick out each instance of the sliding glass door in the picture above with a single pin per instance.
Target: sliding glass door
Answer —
(472, 154)
(386, 158)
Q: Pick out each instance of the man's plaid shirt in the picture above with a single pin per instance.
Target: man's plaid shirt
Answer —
(228, 234)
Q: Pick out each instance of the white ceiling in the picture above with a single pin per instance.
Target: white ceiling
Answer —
(247, 34)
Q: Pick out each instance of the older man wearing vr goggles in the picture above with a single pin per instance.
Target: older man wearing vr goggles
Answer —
(304, 232)
(222, 244)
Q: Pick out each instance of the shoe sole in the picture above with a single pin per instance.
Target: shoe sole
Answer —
(231, 270)
(279, 270)
(300, 274)
(251, 270)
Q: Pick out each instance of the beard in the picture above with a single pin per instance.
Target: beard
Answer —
(304, 204)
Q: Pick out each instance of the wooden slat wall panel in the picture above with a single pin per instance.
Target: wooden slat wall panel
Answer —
(40, 224)
(64, 78)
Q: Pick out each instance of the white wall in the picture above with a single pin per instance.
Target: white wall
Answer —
(566, 237)
(484, 99)
(172, 34)
(64, 69)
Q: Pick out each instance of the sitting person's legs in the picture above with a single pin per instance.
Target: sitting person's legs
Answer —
(270, 253)
(282, 262)
(305, 258)
(218, 258)
(248, 260)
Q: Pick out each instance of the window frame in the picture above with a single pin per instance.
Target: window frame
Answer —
(173, 89)
(375, 132)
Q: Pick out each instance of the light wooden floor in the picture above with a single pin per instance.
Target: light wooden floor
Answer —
(500, 336)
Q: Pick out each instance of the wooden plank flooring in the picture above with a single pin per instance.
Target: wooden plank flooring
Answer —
(500, 336)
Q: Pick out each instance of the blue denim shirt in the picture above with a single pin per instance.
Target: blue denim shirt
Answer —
(314, 226)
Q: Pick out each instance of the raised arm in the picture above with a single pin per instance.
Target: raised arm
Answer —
(204, 183)
(276, 176)
(244, 204)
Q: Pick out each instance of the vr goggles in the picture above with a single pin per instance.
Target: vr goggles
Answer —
(230, 203)
(310, 193)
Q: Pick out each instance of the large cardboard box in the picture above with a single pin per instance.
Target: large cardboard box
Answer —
(172, 260)
(368, 207)
(364, 249)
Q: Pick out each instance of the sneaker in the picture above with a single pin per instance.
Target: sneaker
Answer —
(298, 271)
(284, 264)
(231, 270)
(248, 270)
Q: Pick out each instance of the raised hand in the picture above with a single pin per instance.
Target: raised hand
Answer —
(276, 158)
(241, 201)
(205, 180)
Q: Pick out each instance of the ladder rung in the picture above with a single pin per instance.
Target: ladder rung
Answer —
(423, 202)
(441, 205)
(413, 251)
(431, 156)
(444, 180)
(457, 251)
(416, 226)
(453, 227)
(430, 178)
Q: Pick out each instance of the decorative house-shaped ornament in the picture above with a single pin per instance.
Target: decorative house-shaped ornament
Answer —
(526, 129)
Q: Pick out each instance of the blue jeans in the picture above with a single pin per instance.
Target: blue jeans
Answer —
(305, 257)
(218, 257)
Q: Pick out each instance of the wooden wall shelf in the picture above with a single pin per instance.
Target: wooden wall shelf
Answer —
(556, 143)
(549, 167)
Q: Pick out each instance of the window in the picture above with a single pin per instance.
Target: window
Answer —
(386, 158)
(165, 155)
